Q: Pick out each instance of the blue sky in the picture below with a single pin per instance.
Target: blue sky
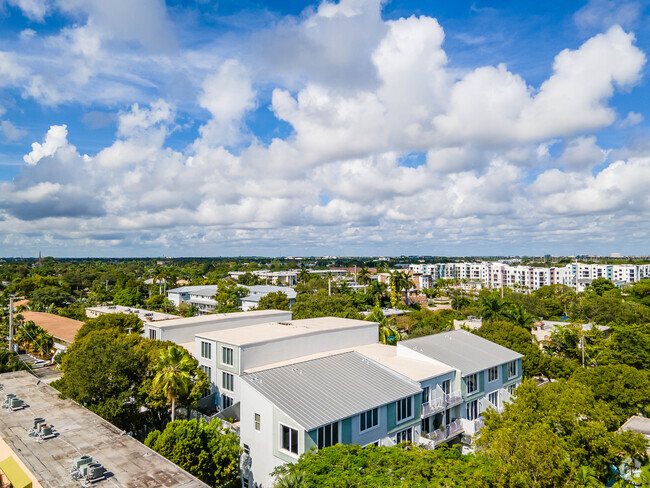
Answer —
(356, 127)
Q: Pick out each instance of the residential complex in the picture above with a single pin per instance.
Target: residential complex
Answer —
(428, 390)
(144, 315)
(527, 278)
(202, 296)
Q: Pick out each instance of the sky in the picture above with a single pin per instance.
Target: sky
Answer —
(352, 128)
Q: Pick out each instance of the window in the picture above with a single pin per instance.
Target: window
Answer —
(404, 409)
(208, 371)
(472, 410)
(258, 421)
(446, 387)
(226, 401)
(206, 350)
(511, 389)
(512, 368)
(369, 419)
(227, 356)
(227, 381)
(289, 439)
(244, 483)
(328, 435)
(472, 383)
(494, 398)
(404, 436)
(425, 395)
(152, 334)
(493, 374)
(247, 449)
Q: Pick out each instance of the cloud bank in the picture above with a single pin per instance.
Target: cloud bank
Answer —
(388, 146)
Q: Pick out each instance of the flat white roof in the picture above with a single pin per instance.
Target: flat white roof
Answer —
(270, 331)
(217, 318)
(144, 315)
(411, 368)
(383, 354)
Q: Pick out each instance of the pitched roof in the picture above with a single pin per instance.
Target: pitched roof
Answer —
(58, 327)
(462, 350)
(320, 391)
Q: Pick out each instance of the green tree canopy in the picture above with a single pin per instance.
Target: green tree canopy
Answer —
(208, 451)
(123, 322)
(562, 419)
(321, 305)
(228, 295)
(274, 301)
(406, 466)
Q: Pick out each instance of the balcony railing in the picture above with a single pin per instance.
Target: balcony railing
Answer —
(433, 406)
(453, 398)
(454, 428)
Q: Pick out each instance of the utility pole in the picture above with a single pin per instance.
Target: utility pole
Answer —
(11, 323)
(582, 346)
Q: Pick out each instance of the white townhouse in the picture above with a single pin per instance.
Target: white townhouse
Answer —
(343, 398)
(488, 372)
(182, 330)
(333, 396)
(226, 354)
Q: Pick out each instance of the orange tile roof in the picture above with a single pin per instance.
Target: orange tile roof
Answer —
(59, 327)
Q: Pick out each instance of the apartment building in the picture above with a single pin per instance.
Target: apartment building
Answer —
(344, 398)
(428, 390)
(182, 330)
(529, 278)
(225, 354)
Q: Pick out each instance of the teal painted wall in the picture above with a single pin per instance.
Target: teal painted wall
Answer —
(346, 431)
(311, 439)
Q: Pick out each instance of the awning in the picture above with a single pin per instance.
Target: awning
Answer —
(17, 477)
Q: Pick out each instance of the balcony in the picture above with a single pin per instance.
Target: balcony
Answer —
(453, 398)
(455, 428)
(433, 406)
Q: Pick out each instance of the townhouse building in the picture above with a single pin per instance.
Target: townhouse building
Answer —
(225, 354)
(430, 390)
(343, 398)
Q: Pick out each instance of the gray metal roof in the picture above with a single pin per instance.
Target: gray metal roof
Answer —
(321, 391)
(462, 350)
(190, 288)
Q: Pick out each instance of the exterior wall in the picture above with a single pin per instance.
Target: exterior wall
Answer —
(184, 333)
(257, 466)
(257, 355)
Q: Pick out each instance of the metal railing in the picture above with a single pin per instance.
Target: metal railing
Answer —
(453, 398)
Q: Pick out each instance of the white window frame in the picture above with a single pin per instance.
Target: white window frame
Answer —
(512, 365)
(227, 381)
(408, 405)
(258, 422)
(374, 419)
(223, 402)
(494, 369)
(426, 395)
(224, 355)
(281, 436)
(472, 410)
(404, 433)
(206, 347)
(494, 396)
(208, 371)
(153, 334)
(474, 383)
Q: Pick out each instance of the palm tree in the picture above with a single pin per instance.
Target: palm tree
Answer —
(363, 276)
(173, 374)
(586, 478)
(492, 308)
(292, 480)
(387, 327)
(517, 314)
(378, 291)
(459, 301)
(303, 275)
(398, 281)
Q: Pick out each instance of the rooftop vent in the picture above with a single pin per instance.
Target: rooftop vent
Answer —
(285, 323)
